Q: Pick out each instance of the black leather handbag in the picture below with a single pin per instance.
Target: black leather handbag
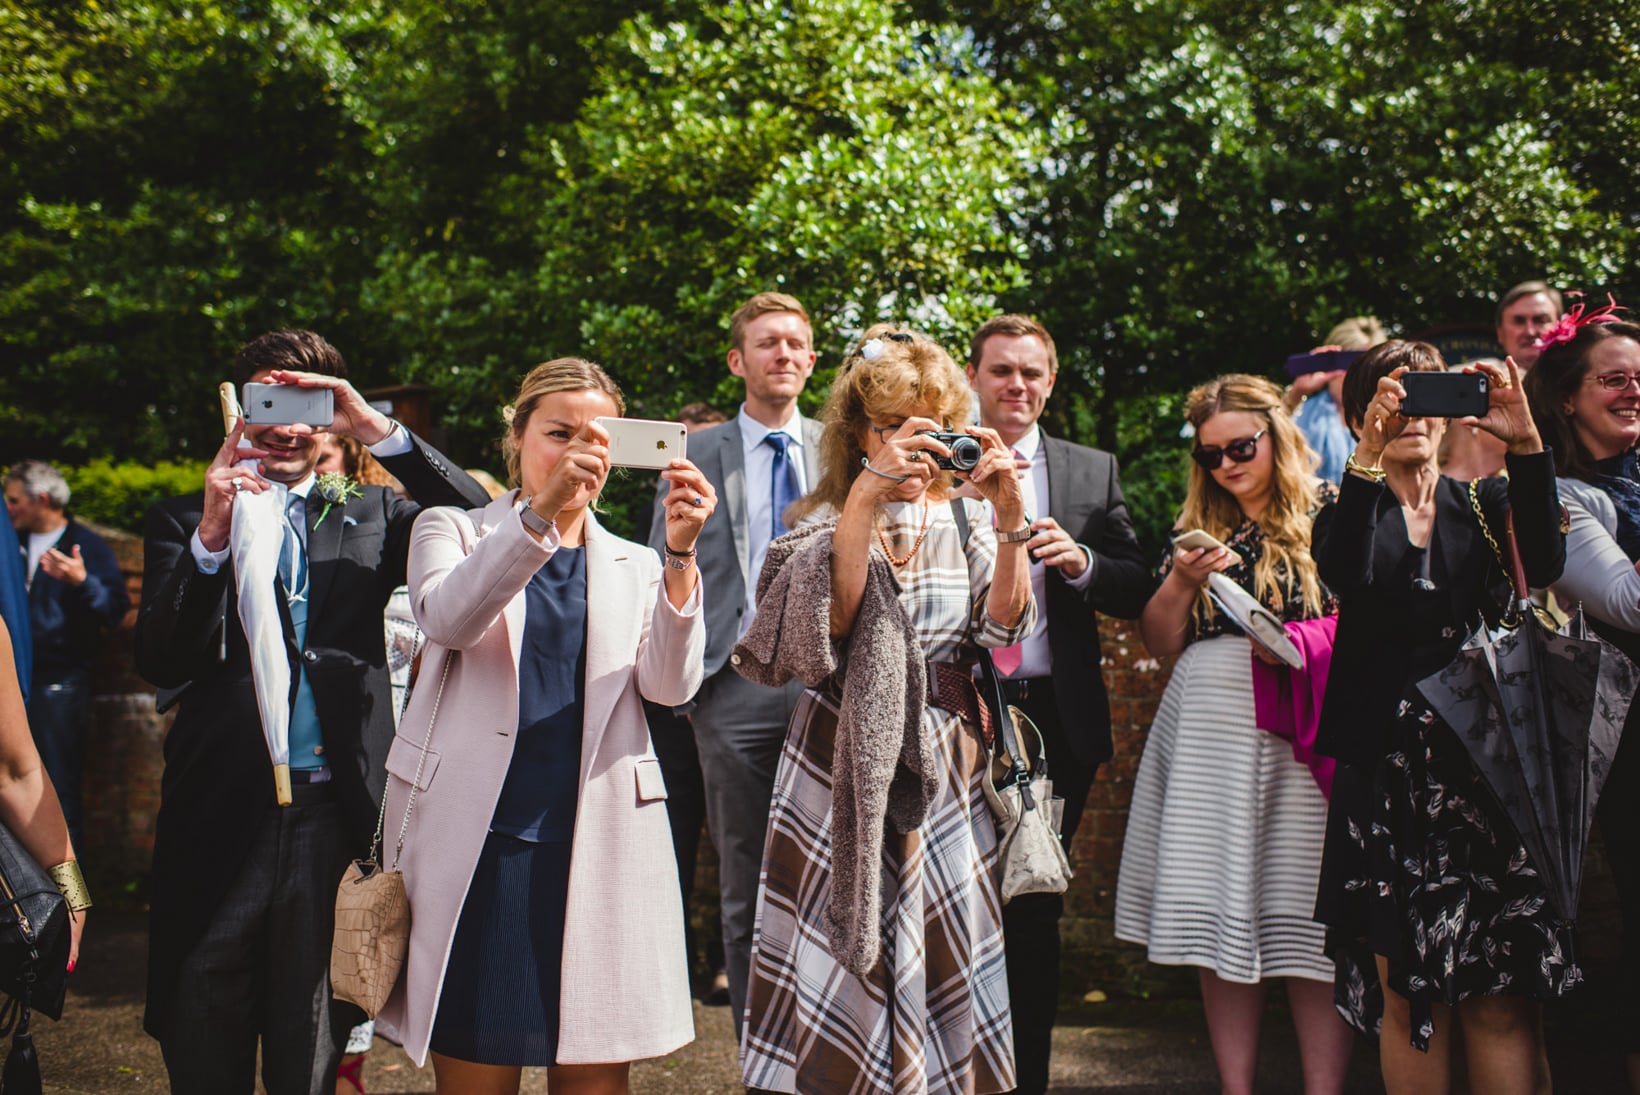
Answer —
(34, 942)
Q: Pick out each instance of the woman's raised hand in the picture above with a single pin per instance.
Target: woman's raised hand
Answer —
(904, 465)
(1383, 421)
(1507, 417)
(577, 476)
(688, 504)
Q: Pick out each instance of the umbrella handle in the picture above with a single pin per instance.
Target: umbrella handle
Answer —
(281, 783)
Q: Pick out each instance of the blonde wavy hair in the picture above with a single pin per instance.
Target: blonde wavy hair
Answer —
(1286, 521)
(561, 374)
(912, 373)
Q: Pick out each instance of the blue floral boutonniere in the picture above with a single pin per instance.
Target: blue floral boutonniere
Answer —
(335, 488)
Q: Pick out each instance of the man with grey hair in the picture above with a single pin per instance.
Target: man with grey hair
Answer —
(1524, 313)
(75, 589)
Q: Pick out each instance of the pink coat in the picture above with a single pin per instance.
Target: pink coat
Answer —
(625, 992)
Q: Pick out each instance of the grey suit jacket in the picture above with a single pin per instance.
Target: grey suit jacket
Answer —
(723, 551)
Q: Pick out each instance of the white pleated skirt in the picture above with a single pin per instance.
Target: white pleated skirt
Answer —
(1223, 845)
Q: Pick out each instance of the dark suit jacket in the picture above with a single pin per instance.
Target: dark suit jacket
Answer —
(723, 550)
(1085, 497)
(218, 781)
(1374, 656)
(65, 620)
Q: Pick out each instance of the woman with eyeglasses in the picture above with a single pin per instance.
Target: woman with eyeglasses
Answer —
(1433, 911)
(1585, 397)
(1223, 843)
(877, 963)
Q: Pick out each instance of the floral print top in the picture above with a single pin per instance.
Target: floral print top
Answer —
(1247, 540)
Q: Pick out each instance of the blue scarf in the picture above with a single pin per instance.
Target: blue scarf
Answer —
(1619, 477)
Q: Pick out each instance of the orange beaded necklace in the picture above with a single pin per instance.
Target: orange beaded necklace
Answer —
(888, 550)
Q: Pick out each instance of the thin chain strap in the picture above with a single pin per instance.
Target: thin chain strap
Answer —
(1486, 530)
(404, 705)
(415, 784)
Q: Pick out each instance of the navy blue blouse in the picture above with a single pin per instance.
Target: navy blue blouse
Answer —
(543, 781)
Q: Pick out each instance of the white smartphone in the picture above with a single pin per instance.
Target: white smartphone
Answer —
(287, 405)
(643, 442)
(1196, 538)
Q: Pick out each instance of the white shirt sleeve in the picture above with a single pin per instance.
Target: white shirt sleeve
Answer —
(209, 562)
(396, 443)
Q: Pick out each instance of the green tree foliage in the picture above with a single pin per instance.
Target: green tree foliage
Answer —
(453, 190)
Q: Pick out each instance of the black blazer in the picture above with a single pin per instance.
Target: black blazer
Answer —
(1085, 497)
(1374, 658)
(218, 782)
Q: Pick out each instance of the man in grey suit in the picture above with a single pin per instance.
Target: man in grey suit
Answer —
(760, 461)
(1085, 559)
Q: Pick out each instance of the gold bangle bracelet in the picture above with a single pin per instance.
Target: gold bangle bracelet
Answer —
(1351, 464)
(71, 882)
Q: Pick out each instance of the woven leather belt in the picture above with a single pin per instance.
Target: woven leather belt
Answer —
(951, 687)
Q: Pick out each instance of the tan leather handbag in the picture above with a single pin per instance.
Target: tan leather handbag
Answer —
(372, 934)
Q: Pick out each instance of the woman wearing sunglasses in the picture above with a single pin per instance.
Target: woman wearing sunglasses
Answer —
(1223, 844)
(1434, 915)
(1585, 397)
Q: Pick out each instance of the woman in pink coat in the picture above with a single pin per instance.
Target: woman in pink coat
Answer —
(537, 856)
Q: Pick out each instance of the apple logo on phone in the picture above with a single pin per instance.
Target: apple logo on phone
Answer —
(267, 404)
(660, 446)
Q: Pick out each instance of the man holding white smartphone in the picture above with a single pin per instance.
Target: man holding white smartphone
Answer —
(244, 889)
(760, 461)
(1085, 559)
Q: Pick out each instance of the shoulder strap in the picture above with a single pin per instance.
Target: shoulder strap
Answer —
(990, 682)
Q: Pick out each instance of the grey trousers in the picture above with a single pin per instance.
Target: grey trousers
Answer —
(739, 729)
(262, 970)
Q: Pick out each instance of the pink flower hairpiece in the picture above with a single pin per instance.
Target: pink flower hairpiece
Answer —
(1575, 318)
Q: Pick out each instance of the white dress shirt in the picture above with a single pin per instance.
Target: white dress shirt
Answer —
(1035, 658)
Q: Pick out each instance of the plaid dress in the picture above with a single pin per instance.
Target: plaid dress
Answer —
(932, 1016)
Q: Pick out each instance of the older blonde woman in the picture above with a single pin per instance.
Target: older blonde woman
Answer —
(877, 959)
(539, 857)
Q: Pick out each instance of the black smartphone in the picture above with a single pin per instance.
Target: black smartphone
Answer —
(1444, 395)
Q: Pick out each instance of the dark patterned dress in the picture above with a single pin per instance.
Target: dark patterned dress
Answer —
(1420, 865)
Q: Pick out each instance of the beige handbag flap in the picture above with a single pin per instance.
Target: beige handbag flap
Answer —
(403, 757)
(651, 783)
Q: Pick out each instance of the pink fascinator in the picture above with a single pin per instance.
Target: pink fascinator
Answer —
(1575, 318)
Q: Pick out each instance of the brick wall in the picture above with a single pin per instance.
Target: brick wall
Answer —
(124, 762)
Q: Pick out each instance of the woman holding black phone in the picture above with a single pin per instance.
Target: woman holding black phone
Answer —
(1434, 913)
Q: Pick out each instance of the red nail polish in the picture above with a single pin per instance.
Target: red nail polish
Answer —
(71, 965)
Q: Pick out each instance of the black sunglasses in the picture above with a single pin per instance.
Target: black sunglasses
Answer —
(1241, 451)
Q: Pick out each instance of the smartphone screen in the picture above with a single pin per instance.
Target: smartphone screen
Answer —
(1444, 395)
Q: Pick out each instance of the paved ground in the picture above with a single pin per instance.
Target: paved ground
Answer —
(1125, 1048)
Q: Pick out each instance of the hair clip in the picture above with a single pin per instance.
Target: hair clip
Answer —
(1566, 328)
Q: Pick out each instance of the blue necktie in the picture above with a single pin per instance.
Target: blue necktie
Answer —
(305, 735)
(784, 481)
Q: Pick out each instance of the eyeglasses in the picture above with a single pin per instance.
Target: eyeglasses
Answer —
(1241, 451)
(1615, 382)
(884, 433)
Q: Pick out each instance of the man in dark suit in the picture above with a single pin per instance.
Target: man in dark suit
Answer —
(75, 590)
(244, 889)
(760, 461)
(1085, 560)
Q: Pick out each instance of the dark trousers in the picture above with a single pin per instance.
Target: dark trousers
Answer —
(675, 748)
(59, 714)
(262, 970)
(1030, 922)
(740, 728)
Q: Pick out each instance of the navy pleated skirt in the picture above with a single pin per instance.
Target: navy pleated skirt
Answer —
(501, 997)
